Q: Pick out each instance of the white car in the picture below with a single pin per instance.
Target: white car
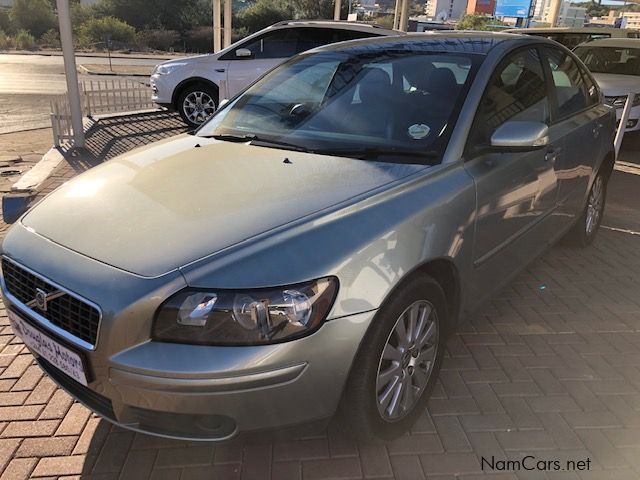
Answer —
(615, 64)
(194, 85)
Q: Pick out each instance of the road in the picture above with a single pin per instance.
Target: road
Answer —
(27, 83)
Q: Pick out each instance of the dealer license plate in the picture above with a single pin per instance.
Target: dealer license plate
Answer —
(55, 353)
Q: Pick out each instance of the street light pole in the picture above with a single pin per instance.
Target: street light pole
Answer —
(71, 74)
(336, 10)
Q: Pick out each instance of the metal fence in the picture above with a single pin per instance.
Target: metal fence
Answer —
(61, 120)
(99, 97)
(115, 95)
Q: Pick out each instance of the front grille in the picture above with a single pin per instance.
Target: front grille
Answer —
(66, 312)
(616, 101)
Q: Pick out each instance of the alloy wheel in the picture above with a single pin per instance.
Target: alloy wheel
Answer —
(407, 361)
(198, 107)
(594, 205)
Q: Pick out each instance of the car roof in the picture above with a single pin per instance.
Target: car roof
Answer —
(340, 25)
(571, 30)
(613, 42)
(441, 40)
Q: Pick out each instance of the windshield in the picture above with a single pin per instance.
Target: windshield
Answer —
(375, 103)
(621, 61)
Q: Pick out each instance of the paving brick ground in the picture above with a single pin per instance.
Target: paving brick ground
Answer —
(550, 368)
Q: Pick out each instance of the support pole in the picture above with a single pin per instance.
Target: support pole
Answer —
(336, 10)
(404, 15)
(217, 30)
(227, 23)
(71, 74)
(396, 15)
(554, 12)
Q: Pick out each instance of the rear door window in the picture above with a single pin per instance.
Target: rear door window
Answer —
(571, 92)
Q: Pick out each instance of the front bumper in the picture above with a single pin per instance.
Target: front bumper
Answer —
(185, 391)
(633, 123)
(245, 389)
(162, 89)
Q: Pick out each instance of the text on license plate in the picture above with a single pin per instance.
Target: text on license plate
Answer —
(56, 354)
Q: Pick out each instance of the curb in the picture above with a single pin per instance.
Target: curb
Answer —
(17, 201)
(86, 71)
(31, 180)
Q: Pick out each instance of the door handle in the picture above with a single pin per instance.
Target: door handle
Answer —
(552, 154)
(220, 70)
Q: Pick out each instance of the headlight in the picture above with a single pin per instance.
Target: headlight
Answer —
(164, 69)
(247, 317)
(636, 100)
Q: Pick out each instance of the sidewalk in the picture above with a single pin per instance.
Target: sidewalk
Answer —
(551, 369)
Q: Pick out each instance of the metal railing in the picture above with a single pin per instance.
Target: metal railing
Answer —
(61, 120)
(99, 97)
(622, 124)
(115, 95)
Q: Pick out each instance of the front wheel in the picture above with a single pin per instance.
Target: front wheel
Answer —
(398, 362)
(587, 226)
(197, 103)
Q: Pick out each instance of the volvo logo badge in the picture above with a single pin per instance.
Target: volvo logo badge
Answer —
(41, 299)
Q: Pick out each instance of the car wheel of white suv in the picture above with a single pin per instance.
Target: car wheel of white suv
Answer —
(197, 103)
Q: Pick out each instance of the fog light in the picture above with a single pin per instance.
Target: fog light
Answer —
(631, 123)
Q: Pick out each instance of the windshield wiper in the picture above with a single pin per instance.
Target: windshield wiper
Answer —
(227, 137)
(373, 153)
(257, 141)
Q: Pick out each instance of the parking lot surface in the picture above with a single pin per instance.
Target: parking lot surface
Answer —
(548, 371)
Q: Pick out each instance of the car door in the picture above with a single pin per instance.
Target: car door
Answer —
(579, 116)
(266, 51)
(516, 191)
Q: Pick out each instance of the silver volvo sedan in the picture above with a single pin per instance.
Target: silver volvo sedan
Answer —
(314, 243)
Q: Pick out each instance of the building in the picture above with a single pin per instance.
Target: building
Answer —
(608, 21)
(441, 10)
(631, 20)
(485, 7)
(570, 16)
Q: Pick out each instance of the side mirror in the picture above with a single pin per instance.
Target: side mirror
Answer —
(244, 53)
(520, 136)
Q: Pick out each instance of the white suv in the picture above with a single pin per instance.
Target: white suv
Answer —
(194, 85)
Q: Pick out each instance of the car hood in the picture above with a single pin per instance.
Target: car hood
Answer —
(164, 206)
(193, 59)
(614, 85)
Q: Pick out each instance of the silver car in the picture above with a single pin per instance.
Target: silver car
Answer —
(316, 241)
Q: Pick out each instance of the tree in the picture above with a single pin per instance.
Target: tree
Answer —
(98, 30)
(261, 14)
(477, 21)
(6, 25)
(596, 10)
(34, 16)
(180, 15)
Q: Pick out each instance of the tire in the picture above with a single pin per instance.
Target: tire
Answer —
(585, 229)
(196, 103)
(373, 419)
